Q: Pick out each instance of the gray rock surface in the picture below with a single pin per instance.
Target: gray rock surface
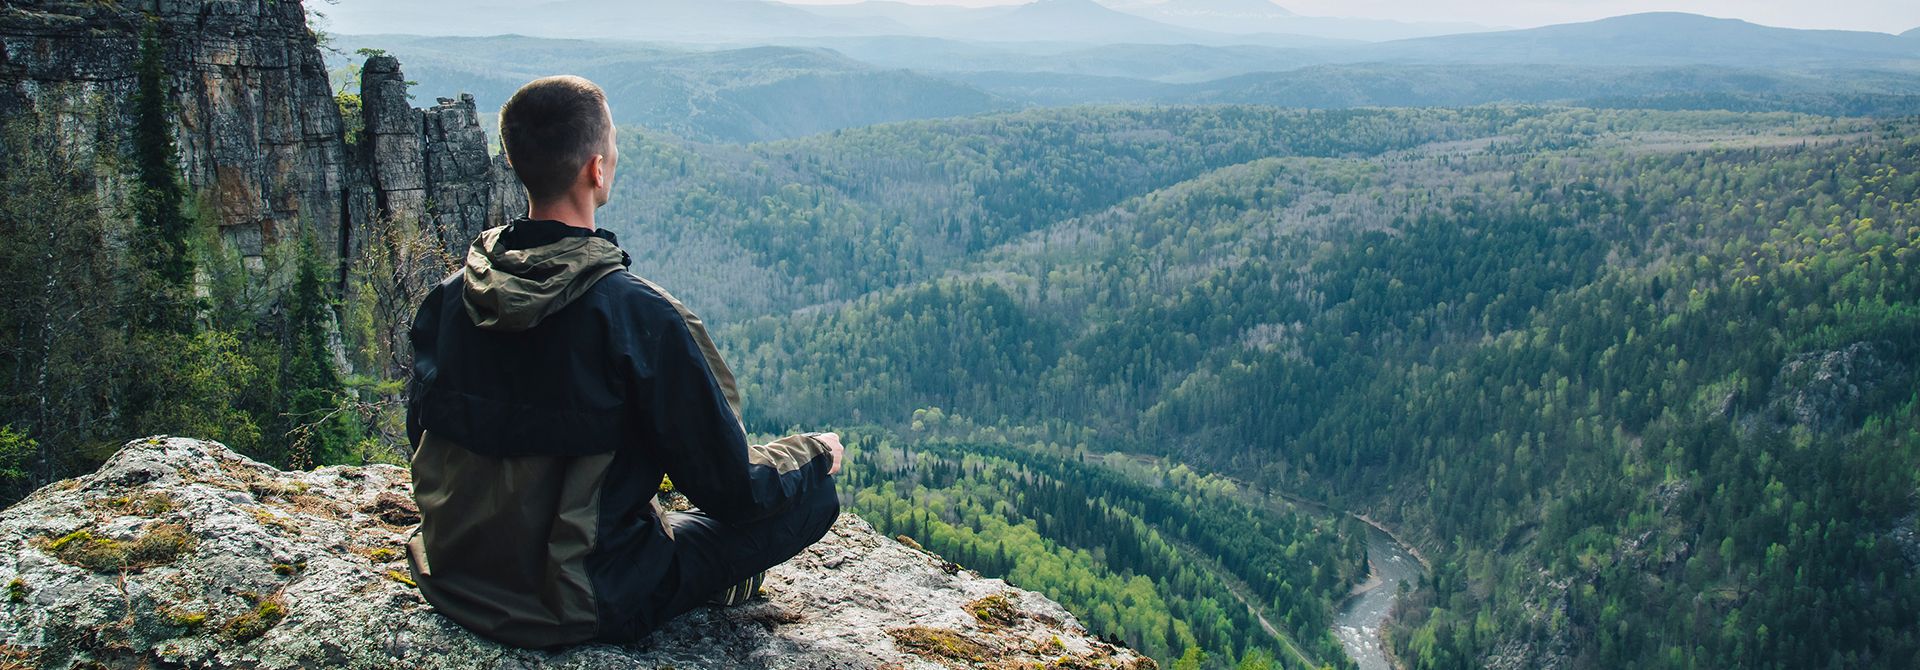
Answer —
(460, 179)
(1822, 389)
(256, 123)
(181, 553)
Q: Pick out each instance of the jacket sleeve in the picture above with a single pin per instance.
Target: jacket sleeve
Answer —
(700, 442)
(422, 337)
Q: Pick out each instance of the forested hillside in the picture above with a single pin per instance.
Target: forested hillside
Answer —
(1638, 376)
(1641, 383)
(1171, 563)
(846, 214)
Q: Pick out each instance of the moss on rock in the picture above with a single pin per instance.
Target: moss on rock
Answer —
(994, 610)
(941, 644)
(161, 544)
(254, 622)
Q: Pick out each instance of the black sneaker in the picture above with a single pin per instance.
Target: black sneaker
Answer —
(739, 593)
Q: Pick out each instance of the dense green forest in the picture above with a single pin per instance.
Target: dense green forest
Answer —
(1117, 549)
(1641, 383)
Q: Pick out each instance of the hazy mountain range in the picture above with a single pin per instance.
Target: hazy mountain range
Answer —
(1658, 38)
(754, 93)
(734, 21)
(786, 87)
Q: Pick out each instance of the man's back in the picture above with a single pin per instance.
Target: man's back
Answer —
(552, 389)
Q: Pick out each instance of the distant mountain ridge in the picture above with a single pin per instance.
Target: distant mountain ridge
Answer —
(732, 95)
(1217, 22)
(1070, 20)
(1010, 57)
(1655, 38)
(1260, 17)
(1262, 9)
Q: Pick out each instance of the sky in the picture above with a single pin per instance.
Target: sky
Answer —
(1876, 15)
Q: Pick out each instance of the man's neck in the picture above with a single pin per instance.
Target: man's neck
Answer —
(570, 210)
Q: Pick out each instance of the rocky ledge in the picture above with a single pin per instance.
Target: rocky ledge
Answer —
(181, 553)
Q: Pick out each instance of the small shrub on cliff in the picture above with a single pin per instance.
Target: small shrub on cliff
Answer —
(996, 609)
(15, 449)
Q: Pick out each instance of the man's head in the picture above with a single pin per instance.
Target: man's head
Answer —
(558, 134)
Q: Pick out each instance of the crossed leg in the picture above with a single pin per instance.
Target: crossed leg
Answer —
(710, 555)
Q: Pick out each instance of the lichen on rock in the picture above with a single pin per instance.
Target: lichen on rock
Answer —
(303, 569)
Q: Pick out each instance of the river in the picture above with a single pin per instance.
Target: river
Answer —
(1360, 617)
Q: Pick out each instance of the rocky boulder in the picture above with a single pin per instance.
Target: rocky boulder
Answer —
(181, 553)
(1824, 389)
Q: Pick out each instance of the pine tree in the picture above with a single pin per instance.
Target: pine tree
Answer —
(163, 292)
(312, 394)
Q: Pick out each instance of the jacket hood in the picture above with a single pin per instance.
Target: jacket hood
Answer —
(513, 289)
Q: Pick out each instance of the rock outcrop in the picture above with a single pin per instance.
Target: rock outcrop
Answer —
(260, 135)
(1823, 389)
(256, 124)
(431, 165)
(181, 553)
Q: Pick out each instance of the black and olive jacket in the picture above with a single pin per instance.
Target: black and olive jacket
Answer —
(551, 389)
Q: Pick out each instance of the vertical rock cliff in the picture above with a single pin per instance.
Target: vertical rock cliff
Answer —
(260, 135)
(257, 129)
(431, 165)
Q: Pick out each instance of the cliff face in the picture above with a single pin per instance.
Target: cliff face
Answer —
(256, 125)
(431, 165)
(180, 553)
(259, 133)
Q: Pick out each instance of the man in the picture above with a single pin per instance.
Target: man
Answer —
(551, 389)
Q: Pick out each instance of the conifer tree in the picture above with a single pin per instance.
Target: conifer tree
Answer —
(313, 396)
(163, 263)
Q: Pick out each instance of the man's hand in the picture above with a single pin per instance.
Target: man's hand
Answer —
(832, 440)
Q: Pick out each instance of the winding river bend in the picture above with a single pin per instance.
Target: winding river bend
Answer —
(1358, 622)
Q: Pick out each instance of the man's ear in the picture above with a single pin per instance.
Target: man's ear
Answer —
(597, 171)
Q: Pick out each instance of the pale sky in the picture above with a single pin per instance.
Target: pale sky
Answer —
(1889, 16)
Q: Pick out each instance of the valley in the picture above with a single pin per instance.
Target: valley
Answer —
(1345, 293)
(1251, 338)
